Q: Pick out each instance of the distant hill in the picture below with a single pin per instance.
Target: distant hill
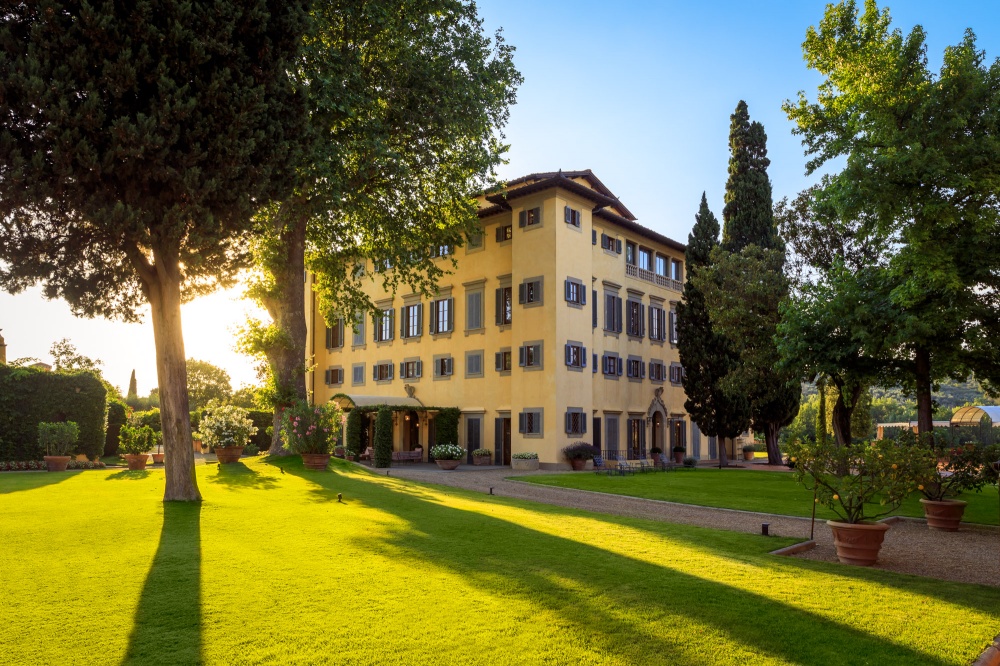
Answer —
(949, 395)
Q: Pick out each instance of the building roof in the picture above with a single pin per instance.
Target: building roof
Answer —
(597, 192)
(974, 416)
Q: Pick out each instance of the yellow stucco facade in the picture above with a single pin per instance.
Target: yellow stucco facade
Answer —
(581, 297)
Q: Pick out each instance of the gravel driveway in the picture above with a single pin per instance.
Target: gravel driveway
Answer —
(971, 555)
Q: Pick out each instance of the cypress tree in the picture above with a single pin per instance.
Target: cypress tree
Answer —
(383, 437)
(748, 213)
(133, 391)
(707, 357)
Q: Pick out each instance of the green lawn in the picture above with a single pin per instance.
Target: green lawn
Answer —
(271, 568)
(749, 490)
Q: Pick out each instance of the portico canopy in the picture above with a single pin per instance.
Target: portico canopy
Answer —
(973, 416)
(348, 401)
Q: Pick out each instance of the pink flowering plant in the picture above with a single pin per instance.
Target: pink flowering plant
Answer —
(309, 428)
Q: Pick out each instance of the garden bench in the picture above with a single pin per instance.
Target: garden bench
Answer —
(367, 455)
(601, 467)
(407, 456)
(661, 463)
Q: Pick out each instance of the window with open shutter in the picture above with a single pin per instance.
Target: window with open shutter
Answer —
(434, 317)
(522, 218)
(522, 293)
(522, 356)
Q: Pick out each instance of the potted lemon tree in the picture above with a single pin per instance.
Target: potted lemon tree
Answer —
(951, 470)
(134, 443)
(310, 431)
(859, 483)
(227, 430)
(58, 441)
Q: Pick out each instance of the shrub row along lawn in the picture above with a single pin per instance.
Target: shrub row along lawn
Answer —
(749, 490)
(272, 568)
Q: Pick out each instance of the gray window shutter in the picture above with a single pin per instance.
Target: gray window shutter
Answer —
(522, 218)
(451, 314)
(521, 293)
(618, 246)
(642, 370)
(329, 337)
(619, 366)
(374, 373)
(499, 233)
(520, 422)
(569, 424)
(402, 321)
(583, 424)
(569, 352)
(538, 214)
(537, 356)
(594, 359)
(420, 319)
(566, 290)
(499, 360)
(620, 304)
(568, 214)
(593, 236)
(642, 321)
(583, 295)
(499, 317)
(520, 356)
(420, 368)
(402, 369)
(594, 308)
(432, 328)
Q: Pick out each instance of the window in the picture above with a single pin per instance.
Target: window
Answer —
(676, 373)
(359, 330)
(473, 433)
(576, 421)
(530, 218)
(571, 216)
(358, 374)
(611, 432)
(412, 325)
(505, 232)
(635, 318)
(444, 366)
(636, 433)
(503, 360)
(474, 363)
(677, 270)
(530, 355)
(657, 324)
(473, 310)
(645, 259)
(630, 257)
(611, 365)
(335, 334)
(576, 293)
(412, 369)
(475, 240)
(443, 315)
(593, 236)
(576, 355)
(382, 372)
(334, 376)
(529, 422)
(441, 251)
(612, 313)
(382, 265)
(611, 244)
(673, 327)
(657, 371)
(529, 292)
(635, 368)
(383, 325)
(661, 265)
(505, 306)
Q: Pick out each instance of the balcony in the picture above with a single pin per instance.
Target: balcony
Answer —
(650, 276)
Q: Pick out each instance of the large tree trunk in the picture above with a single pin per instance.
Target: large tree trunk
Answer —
(163, 288)
(922, 372)
(771, 431)
(723, 454)
(843, 414)
(287, 310)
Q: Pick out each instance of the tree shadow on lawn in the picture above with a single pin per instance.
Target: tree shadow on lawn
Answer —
(588, 586)
(167, 622)
(13, 482)
(238, 475)
(128, 475)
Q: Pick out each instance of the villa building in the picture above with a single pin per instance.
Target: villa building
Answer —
(558, 325)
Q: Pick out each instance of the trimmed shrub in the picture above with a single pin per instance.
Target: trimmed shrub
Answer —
(57, 439)
(117, 417)
(29, 396)
(137, 439)
(383, 437)
(446, 425)
(690, 462)
(149, 418)
(354, 432)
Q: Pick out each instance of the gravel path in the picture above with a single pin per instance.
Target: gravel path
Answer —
(971, 555)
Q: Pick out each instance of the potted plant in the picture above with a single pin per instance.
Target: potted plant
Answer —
(748, 451)
(227, 430)
(950, 471)
(859, 483)
(526, 461)
(310, 431)
(481, 457)
(58, 440)
(578, 453)
(655, 452)
(679, 452)
(447, 456)
(158, 456)
(690, 462)
(134, 442)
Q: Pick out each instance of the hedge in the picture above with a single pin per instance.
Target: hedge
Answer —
(353, 435)
(263, 421)
(29, 396)
(383, 437)
(446, 426)
(117, 417)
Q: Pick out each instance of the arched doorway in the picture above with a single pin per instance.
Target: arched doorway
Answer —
(411, 431)
(657, 438)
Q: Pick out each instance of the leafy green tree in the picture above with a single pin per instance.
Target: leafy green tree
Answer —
(66, 358)
(921, 156)
(382, 451)
(707, 357)
(408, 99)
(746, 284)
(246, 397)
(136, 141)
(206, 383)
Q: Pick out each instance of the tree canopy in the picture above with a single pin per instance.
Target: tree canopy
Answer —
(207, 383)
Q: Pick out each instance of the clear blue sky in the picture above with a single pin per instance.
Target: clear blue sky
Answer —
(640, 92)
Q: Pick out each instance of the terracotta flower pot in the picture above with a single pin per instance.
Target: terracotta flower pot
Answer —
(678, 457)
(317, 461)
(157, 458)
(448, 464)
(858, 543)
(57, 463)
(579, 464)
(748, 455)
(228, 454)
(480, 460)
(136, 460)
(945, 515)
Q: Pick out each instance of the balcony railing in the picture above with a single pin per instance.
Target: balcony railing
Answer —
(650, 276)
